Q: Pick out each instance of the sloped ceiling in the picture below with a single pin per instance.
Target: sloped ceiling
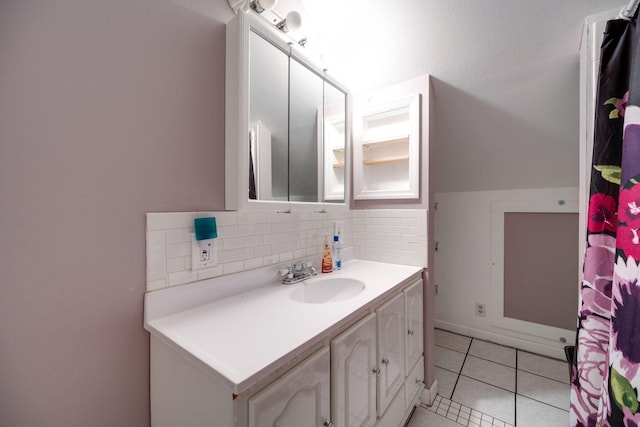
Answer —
(506, 92)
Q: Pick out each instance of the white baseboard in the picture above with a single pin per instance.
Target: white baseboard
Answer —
(509, 341)
(428, 395)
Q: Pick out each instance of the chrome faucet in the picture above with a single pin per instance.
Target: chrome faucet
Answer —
(297, 273)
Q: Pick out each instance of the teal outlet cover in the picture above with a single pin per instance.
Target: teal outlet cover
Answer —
(206, 228)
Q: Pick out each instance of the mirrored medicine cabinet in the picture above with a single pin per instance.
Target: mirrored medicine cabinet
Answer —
(287, 124)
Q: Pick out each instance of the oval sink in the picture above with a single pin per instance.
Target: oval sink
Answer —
(327, 290)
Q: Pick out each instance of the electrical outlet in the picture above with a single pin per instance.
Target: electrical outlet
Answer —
(481, 310)
(202, 258)
(205, 255)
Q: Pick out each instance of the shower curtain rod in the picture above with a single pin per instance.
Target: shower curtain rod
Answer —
(629, 10)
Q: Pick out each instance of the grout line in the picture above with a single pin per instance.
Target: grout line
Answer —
(493, 361)
(543, 376)
(484, 382)
(543, 403)
(453, 390)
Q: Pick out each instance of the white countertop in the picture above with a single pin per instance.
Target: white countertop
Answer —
(244, 337)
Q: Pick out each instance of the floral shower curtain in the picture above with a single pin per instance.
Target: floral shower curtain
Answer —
(605, 381)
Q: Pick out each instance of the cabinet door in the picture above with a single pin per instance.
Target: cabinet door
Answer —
(353, 375)
(391, 350)
(414, 316)
(300, 398)
(415, 383)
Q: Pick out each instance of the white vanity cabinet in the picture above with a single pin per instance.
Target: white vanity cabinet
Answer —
(391, 350)
(370, 359)
(300, 398)
(353, 375)
(348, 370)
(414, 324)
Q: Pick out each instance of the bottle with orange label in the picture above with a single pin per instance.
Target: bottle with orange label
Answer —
(327, 261)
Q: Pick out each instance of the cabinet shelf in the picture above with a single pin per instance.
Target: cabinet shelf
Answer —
(380, 142)
(385, 160)
(339, 165)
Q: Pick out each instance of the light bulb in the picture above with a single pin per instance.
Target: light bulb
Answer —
(267, 4)
(293, 21)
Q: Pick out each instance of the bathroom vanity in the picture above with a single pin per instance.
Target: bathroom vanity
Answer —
(339, 349)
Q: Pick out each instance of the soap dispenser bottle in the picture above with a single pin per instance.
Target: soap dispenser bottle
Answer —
(327, 261)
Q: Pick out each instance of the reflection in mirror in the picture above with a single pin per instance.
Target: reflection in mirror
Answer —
(335, 138)
(305, 101)
(268, 120)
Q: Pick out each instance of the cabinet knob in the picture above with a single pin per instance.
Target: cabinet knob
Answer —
(376, 371)
(418, 381)
(327, 423)
(410, 332)
(385, 361)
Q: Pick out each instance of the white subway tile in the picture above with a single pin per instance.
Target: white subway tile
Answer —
(423, 221)
(175, 250)
(225, 231)
(244, 230)
(208, 273)
(286, 256)
(156, 255)
(257, 217)
(253, 263)
(255, 240)
(423, 260)
(169, 220)
(232, 267)
(154, 285)
(262, 250)
(378, 213)
(404, 213)
(231, 243)
(271, 259)
(261, 229)
(224, 218)
(177, 264)
(299, 253)
(242, 254)
(401, 229)
(182, 277)
(283, 247)
(410, 238)
(225, 256)
(178, 235)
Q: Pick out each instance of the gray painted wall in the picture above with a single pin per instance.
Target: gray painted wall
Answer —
(109, 109)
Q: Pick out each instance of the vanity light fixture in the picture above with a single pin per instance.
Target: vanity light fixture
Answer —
(261, 5)
(293, 22)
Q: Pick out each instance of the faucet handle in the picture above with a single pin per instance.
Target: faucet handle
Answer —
(307, 264)
(284, 272)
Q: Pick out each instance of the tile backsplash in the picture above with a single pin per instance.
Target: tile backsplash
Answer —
(253, 239)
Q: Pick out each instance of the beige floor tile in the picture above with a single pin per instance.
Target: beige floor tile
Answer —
(448, 359)
(534, 414)
(545, 366)
(493, 373)
(446, 381)
(488, 399)
(544, 390)
(452, 341)
(493, 352)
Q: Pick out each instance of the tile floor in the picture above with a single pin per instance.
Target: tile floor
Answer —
(485, 384)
